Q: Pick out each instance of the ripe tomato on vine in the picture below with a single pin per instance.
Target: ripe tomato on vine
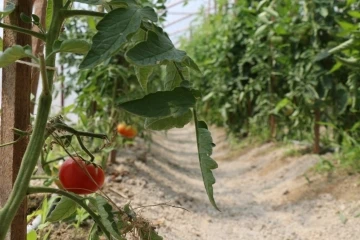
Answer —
(79, 177)
(126, 130)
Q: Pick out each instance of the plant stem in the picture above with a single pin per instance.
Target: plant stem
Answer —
(24, 30)
(75, 198)
(28, 164)
(74, 13)
(44, 78)
(37, 139)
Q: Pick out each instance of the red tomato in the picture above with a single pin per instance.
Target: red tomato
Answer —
(74, 178)
(126, 130)
(121, 128)
(130, 132)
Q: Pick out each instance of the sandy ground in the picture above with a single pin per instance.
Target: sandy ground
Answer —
(262, 192)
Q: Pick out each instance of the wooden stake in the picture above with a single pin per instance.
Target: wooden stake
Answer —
(15, 114)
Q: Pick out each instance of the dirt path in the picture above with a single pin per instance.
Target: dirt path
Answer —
(262, 193)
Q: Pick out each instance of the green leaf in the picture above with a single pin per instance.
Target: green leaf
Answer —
(107, 217)
(143, 74)
(162, 104)
(354, 14)
(25, 18)
(16, 52)
(10, 7)
(1, 44)
(64, 209)
(49, 13)
(113, 31)
(72, 46)
(341, 98)
(173, 77)
(191, 64)
(156, 49)
(35, 19)
(149, 233)
(31, 235)
(205, 145)
(169, 122)
(322, 55)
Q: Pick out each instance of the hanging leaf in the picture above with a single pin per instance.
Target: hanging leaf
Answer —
(113, 31)
(205, 145)
(162, 104)
(64, 209)
(156, 49)
(72, 46)
(173, 77)
(107, 217)
(16, 52)
(191, 64)
(143, 74)
(168, 122)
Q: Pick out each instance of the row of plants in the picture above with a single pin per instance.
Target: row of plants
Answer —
(112, 56)
(285, 69)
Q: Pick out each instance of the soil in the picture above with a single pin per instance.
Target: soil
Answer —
(263, 191)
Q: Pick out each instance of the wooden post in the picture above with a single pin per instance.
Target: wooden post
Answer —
(15, 114)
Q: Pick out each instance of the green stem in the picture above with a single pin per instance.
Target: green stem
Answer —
(24, 30)
(28, 164)
(75, 198)
(44, 78)
(79, 133)
(37, 139)
(74, 13)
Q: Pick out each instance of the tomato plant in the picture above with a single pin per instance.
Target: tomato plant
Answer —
(126, 30)
(81, 177)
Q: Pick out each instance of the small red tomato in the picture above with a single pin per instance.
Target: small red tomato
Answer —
(131, 132)
(126, 130)
(121, 128)
(74, 178)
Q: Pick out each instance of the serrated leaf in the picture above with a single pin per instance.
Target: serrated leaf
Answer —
(162, 104)
(64, 209)
(107, 217)
(173, 77)
(205, 145)
(191, 64)
(169, 122)
(16, 52)
(143, 74)
(10, 7)
(72, 46)
(113, 31)
(156, 49)
(49, 13)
